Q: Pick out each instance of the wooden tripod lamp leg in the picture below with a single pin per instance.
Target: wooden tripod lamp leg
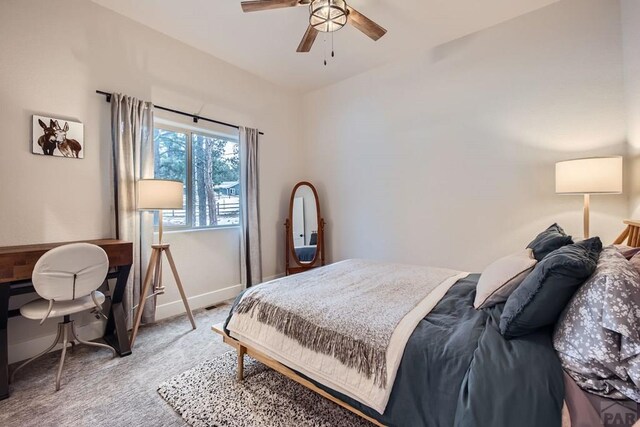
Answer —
(157, 274)
(155, 256)
(180, 288)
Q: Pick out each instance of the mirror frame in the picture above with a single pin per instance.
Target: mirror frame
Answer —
(290, 248)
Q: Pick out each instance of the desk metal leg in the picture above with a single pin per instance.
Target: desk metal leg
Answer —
(116, 334)
(4, 350)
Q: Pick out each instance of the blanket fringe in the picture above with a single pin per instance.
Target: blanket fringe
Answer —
(355, 354)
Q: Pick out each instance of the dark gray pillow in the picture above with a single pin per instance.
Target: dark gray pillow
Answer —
(548, 241)
(542, 296)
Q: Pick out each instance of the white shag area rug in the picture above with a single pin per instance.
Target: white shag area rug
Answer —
(209, 395)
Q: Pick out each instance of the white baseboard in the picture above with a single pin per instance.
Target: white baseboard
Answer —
(23, 350)
(175, 308)
(95, 329)
(208, 299)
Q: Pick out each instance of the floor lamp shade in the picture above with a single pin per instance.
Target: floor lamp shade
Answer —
(597, 175)
(158, 194)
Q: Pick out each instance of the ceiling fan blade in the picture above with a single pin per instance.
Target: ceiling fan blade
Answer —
(365, 24)
(258, 5)
(308, 39)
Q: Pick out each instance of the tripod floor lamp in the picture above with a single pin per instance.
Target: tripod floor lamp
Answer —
(596, 175)
(157, 195)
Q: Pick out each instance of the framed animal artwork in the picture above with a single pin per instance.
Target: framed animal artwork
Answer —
(57, 137)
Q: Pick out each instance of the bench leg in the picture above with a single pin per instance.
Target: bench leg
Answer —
(241, 351)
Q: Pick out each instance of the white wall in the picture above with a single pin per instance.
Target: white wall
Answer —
(54, 56)
(631, 41)
(447, 158)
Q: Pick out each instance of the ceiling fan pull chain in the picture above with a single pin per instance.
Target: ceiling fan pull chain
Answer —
(324, 47)
(332, 51)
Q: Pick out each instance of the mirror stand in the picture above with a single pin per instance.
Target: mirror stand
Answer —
(304, 231)
(299, 267)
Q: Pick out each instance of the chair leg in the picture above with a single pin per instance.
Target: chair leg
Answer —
(65, 341)
(74, 335)
(55, 342)
(66, 330)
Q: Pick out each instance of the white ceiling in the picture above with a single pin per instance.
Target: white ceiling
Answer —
(265, 43)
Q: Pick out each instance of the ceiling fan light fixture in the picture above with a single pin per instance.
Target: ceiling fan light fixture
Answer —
(328, 15)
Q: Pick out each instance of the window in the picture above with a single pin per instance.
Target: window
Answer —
(209, 166)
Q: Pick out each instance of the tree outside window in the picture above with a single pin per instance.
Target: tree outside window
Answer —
(209, 166)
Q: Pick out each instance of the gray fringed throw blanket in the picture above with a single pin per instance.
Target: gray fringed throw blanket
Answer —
(348, 310)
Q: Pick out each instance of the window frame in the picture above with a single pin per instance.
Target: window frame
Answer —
(189, 208)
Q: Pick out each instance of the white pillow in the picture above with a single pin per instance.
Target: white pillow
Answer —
(502, 277)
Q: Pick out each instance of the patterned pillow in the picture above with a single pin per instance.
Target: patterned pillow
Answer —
(597, 337)
(635, 262)
(627, 251)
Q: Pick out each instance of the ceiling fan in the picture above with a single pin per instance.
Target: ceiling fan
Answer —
(324, 16)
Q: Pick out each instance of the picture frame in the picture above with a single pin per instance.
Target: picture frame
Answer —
(57, 137)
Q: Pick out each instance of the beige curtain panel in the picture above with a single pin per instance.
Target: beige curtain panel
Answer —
(250, 250)
(132, 137)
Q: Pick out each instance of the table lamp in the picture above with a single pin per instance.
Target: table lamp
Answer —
(596, 175)
(157, 195)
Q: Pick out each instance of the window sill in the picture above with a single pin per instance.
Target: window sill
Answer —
(167, 231)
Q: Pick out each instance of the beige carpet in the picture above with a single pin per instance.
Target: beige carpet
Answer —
(100, 391)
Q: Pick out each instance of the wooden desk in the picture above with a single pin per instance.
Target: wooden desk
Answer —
(16, 266)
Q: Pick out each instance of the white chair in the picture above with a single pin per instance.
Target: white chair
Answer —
(67, 279)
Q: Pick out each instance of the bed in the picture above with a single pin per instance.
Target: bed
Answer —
(456, 369)
(520, 360)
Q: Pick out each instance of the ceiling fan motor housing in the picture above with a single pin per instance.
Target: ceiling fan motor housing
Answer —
(324, 16)
(328, 15)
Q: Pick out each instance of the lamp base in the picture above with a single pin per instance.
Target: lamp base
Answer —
(585, 219)
(154, 270)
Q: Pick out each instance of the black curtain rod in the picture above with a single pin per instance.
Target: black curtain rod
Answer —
(182, 113)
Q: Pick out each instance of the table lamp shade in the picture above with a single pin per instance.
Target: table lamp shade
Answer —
(597, 175)
(158, 194)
